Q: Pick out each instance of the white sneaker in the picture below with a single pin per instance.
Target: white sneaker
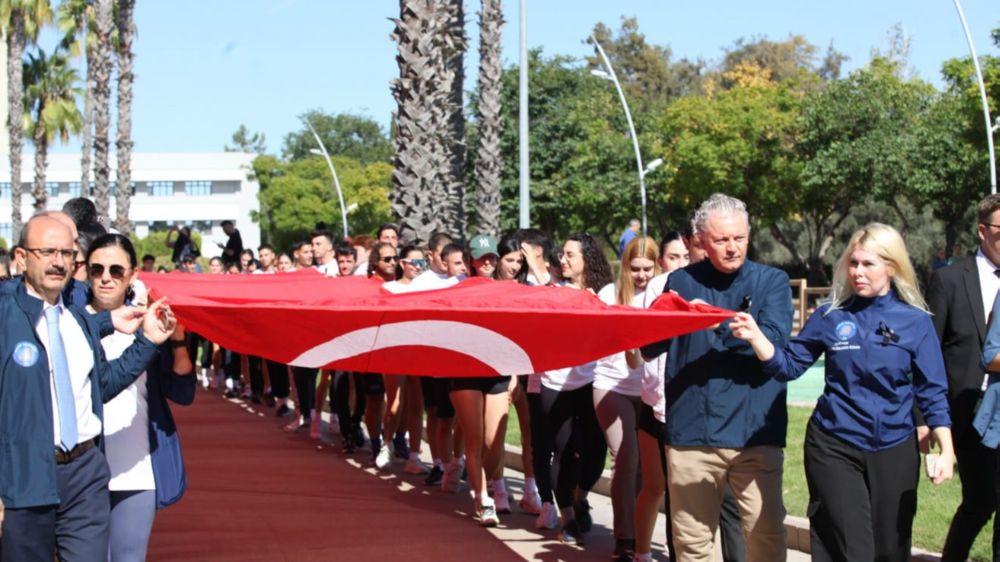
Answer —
(384, 458)
(548, 517)
(452, 479)
(488, 516)
(414, 466)
(531, 502)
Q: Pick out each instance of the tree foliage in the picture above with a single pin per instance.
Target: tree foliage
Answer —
(343, 134)
(246, 141)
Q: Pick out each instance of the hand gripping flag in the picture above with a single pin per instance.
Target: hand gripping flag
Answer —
(476, 328)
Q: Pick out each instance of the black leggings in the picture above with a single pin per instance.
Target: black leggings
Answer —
(305, 386)
(579, 449)
(279, 379)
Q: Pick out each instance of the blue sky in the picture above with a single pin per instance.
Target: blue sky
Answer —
(205, 67)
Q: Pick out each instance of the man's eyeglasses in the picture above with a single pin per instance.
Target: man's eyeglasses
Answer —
(116, 271)
(990, 224)
(46, 253)
(388, 259)
(417, 263)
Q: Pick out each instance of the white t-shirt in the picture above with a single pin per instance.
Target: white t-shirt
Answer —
(126, 427)
(654, 374)
(569, 378)
(612, 372)
(430, 280)
(330, 269)
(397, 287)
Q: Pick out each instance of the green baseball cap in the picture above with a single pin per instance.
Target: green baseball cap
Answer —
(482, 245)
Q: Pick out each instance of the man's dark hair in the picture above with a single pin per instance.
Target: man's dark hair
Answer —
(986, 208)
(149, 257)
(87, 233)
(81, 210)
(226, 222)
(325, 233)
(387, 226)
(247, 252)
(450, 249)
(345, 250)
(538, 239)
(265, 246)
(438, 239)
(298, 245)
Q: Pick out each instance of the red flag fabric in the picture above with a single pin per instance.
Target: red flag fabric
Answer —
(478, 327)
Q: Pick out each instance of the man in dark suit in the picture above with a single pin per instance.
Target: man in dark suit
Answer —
(960, 297)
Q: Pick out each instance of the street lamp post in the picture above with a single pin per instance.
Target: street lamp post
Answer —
(610, 75)
(990, 127)
(336, 182)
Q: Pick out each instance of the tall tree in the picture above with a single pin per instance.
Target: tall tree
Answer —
(489, 161)
(126, 31)
(77, 23)
(21, 20)
(343, 134)
(418, 158)
(50, 110)
(453, 80)
(100, 72)
(245, 141)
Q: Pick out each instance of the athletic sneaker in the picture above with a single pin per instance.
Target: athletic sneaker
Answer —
(581, 513)
(548, 517)
(384, 458)
(531, 503)
(434, 478)
(571, 534)
(282, 411)
(452, 480)
(414, 466)
(488, 516)
(502, 501)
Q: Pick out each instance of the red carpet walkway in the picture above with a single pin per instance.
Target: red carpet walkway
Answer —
(258, 493)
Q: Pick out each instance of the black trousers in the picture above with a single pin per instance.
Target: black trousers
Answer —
(305, 386)
(976, 468)
(280, 386)
(340, 397)
(578, 441)
(861, 504)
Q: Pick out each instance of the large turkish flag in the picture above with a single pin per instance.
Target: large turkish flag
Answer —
(476, 328)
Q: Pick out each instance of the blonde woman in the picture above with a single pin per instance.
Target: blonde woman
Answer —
(618, 391)
(882, 355)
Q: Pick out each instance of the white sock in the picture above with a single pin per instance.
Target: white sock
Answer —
(530, 486)
(485, 499)
(642, 557)
(499, 486)
(229, 384)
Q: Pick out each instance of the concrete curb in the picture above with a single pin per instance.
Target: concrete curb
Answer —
(796, 528)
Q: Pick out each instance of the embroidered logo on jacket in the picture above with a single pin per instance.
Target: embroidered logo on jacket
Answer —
(846, 330)
(26, 354)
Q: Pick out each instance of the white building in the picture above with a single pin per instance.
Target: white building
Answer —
(199, 190)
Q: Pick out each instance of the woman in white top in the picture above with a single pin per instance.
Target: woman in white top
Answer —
(567, 398)
(144, 478)
(617, 390)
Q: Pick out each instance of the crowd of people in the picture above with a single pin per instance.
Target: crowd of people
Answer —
(698, 421)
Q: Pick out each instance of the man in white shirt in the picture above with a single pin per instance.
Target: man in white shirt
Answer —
(322, 248)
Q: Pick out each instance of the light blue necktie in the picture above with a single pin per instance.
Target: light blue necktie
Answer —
(64, 388)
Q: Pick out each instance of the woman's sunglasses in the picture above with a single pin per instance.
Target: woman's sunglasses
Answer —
(417, 263)
(116, 271)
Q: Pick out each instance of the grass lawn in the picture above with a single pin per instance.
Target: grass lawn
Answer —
(936, 504)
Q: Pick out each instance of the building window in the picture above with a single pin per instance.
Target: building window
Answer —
(5, 190)
(52, 188)
(198, 188)
(160, 188)
(74, 189)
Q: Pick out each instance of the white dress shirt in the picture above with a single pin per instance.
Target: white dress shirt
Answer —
(989, 283)
(80, 357)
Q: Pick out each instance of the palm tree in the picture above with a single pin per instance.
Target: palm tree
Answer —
(20, 21)
(489, 164)
(99, 72)
(126, 31)
(417, 194)
(453, 79)
(77, 23)
(49, 110)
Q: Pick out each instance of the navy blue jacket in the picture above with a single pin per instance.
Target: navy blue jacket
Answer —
(162, 383)
(717, 393)
(27, 452)
(872, 346)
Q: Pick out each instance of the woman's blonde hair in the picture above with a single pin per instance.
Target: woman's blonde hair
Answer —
(885, 242)
(638, 247)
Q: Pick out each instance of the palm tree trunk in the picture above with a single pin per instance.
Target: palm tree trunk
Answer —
(15, 113)
(101, 72)
(454, 45)
(126, 31)
(489, 162)
(88, 110)
(41, 151)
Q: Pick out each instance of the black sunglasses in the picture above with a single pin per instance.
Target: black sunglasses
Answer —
(116, 271)
(388, 259)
